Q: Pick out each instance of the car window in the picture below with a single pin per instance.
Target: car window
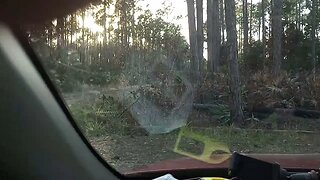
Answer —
(152, 81)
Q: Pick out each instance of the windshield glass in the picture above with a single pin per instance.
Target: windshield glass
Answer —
(152, 81)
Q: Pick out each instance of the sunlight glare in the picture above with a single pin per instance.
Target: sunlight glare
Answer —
(89, 22)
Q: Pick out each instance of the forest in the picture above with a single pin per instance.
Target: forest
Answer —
(257, 52)
(250, 64)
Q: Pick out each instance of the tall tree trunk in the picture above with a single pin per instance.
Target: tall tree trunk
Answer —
(193, 39)
(133, 26)
(125, 23)
(277, 29)
(313, 35)
(216, 36)
(60, 38)
(60, 32)
(240, 36)
(105, 21)
(250, 29)
(210, 35)
(270, 22)
(110, 26)
(245, 25)
(72, 21)
(82, 49)
(50, 37)
(236, 100)
(200, 37)
(259, 30)
(65, 32)
(75, 38)
(263, 30)
(222, 20)
(299, 15)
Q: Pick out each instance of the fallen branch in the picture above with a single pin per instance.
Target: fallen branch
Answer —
(260, 130)
(311, 114)
(205, 106)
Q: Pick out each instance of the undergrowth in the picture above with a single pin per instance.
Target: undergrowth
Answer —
(103, 117)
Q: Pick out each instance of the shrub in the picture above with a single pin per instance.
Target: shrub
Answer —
(103, 117)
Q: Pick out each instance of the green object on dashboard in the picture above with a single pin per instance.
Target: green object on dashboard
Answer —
(201, 147)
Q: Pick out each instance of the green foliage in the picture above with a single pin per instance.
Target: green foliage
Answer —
(297, 50)
(284, 91)
(222, 113)
(132, 40)
(104, 117)
(87, 120)
(253, 60)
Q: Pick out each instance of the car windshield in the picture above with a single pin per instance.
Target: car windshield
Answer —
(154, 81)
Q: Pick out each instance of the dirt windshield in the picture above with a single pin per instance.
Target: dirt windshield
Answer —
(149, 81)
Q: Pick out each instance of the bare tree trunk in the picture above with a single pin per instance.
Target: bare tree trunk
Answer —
(299, 15)
(200, 37)
(60, 38)
(263, 30)
(259, 30)
(313, 35)
(50, 37)
(60, 33)
(216, 36)
(133, 26)
(236, 101)
(193, 38)
(105, 21)
(87, 51)
(250, 29)
(65, 32)
(210, 35)
(222, 20)
(270, 22)
(277, 29)
(240, 35)
(82, 49)
(72, 28)
(125, 23)
(245, 26)
(99, 54)
(110, 25)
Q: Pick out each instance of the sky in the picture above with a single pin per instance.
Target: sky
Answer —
(179, 8)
